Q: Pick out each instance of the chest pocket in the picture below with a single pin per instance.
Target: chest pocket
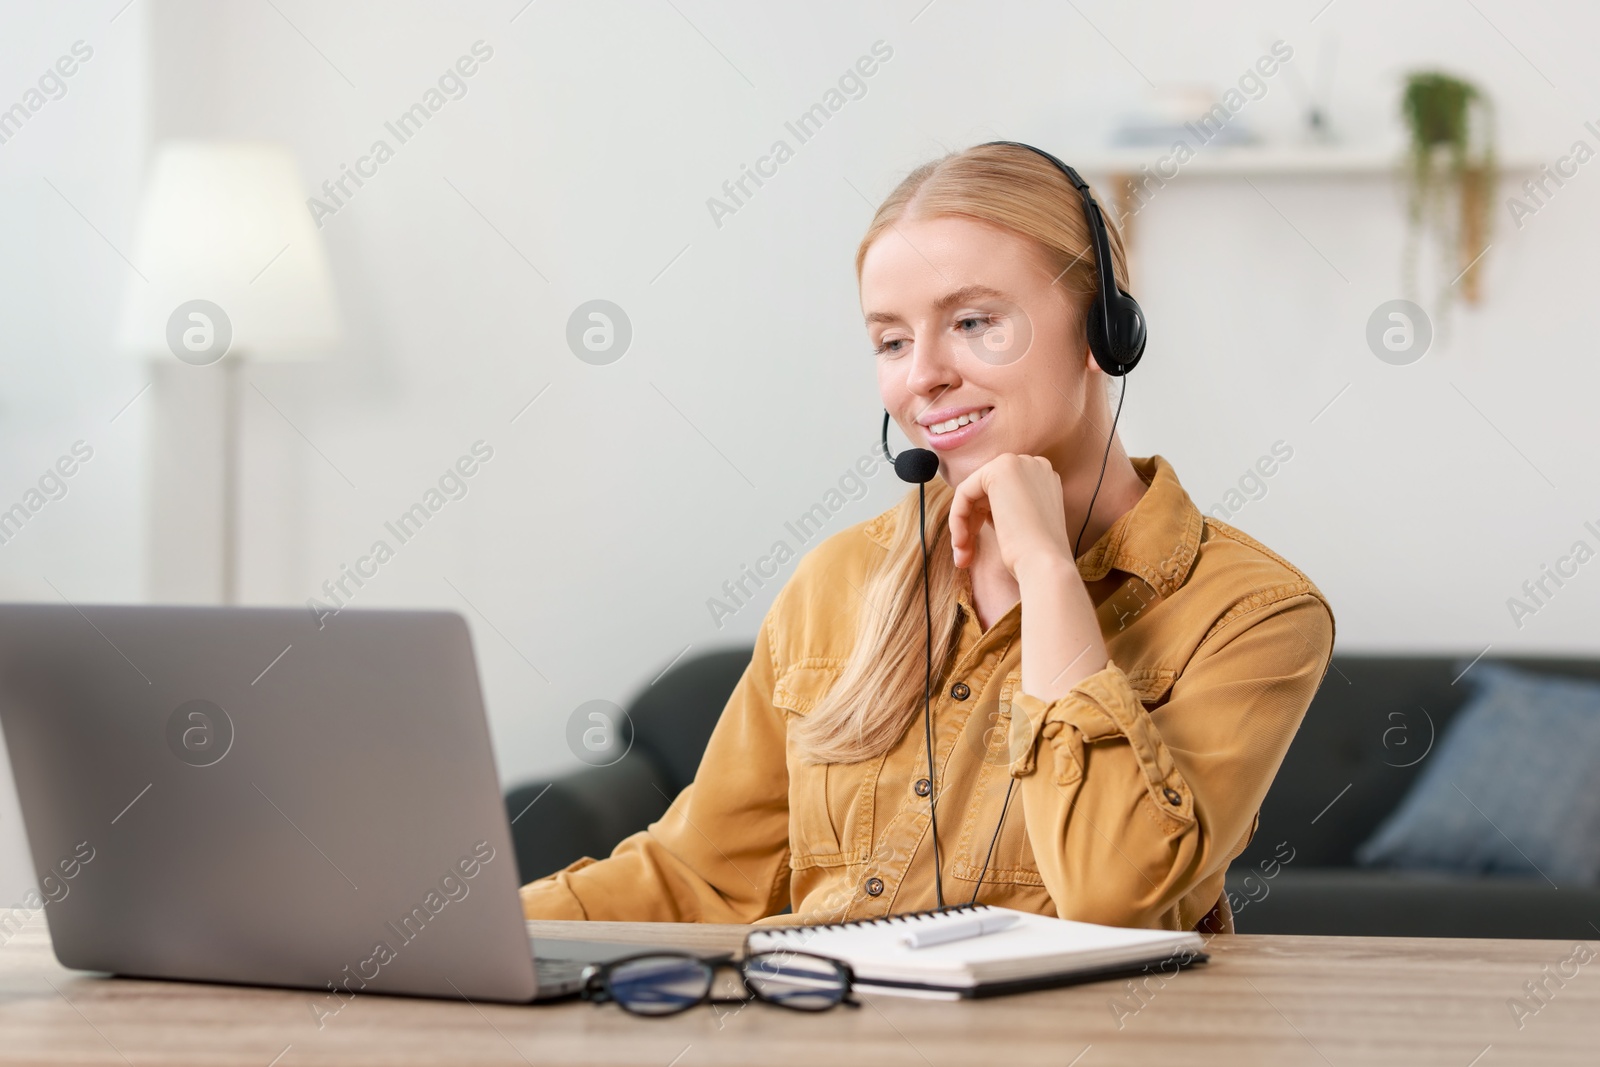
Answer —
(823, 797)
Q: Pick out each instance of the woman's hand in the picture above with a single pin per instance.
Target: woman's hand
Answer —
(1021, 497)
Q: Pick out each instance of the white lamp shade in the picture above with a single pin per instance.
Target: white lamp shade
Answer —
(226, 222)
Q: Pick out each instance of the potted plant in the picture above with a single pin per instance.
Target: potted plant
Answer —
(1450, 179)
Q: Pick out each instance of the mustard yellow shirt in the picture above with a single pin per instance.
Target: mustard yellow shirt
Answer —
(1133, 791)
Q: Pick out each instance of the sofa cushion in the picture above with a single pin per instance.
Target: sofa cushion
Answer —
(1511, 787)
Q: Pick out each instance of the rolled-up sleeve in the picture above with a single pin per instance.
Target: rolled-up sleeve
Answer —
(1127, 810)
(720, 853)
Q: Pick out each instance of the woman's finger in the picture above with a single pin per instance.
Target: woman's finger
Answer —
(958, 519)
(968, 510)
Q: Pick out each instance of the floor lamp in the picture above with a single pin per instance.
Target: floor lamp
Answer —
(232, 270)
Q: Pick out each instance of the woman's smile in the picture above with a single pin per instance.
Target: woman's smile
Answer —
(958, 430)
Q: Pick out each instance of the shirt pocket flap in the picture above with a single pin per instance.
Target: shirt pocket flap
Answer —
(804, 684)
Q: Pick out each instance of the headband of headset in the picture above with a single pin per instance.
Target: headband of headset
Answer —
(1116, 330)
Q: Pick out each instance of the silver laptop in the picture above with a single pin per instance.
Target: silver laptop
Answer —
(244, 795)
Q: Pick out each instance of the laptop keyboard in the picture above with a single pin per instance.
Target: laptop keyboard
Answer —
(558, 973)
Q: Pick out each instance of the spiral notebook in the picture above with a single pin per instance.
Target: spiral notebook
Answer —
(1036, 952)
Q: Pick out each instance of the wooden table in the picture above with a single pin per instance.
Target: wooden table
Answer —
(1261, 1000)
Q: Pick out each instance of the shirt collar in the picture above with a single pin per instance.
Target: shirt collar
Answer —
(1157, 539)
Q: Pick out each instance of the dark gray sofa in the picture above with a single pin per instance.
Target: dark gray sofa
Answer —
(1365, 738)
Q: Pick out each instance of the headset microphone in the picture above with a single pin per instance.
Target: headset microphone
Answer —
(915, 465)
(1116, 335)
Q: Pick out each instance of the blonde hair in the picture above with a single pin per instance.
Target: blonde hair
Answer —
(880, 687)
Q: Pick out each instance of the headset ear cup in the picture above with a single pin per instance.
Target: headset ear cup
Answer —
(1127, 331)
(1126, 336)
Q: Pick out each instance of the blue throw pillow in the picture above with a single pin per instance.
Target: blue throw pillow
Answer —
(1512, 788)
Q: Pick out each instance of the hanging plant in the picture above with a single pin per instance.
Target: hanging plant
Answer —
(1451, 177)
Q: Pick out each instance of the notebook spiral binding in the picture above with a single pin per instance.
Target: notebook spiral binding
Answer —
(886, 920)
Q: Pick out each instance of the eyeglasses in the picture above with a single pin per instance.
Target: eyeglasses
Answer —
(665, 983)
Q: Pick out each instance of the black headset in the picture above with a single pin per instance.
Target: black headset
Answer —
(1116, 335)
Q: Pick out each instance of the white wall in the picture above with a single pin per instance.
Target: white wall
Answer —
(66, 174)
(629, 493)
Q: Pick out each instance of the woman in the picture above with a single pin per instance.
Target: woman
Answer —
(1104, 725)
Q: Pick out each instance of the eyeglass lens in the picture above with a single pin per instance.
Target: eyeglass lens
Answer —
(662, 985)
(806, 983)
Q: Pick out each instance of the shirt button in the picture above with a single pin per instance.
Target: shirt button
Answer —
(874, 887)
(960, 691)
(923, 787)
(1173, 796)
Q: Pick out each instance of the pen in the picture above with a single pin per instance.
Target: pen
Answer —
(958, 931)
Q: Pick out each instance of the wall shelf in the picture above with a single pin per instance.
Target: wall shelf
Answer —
(1264, 160)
